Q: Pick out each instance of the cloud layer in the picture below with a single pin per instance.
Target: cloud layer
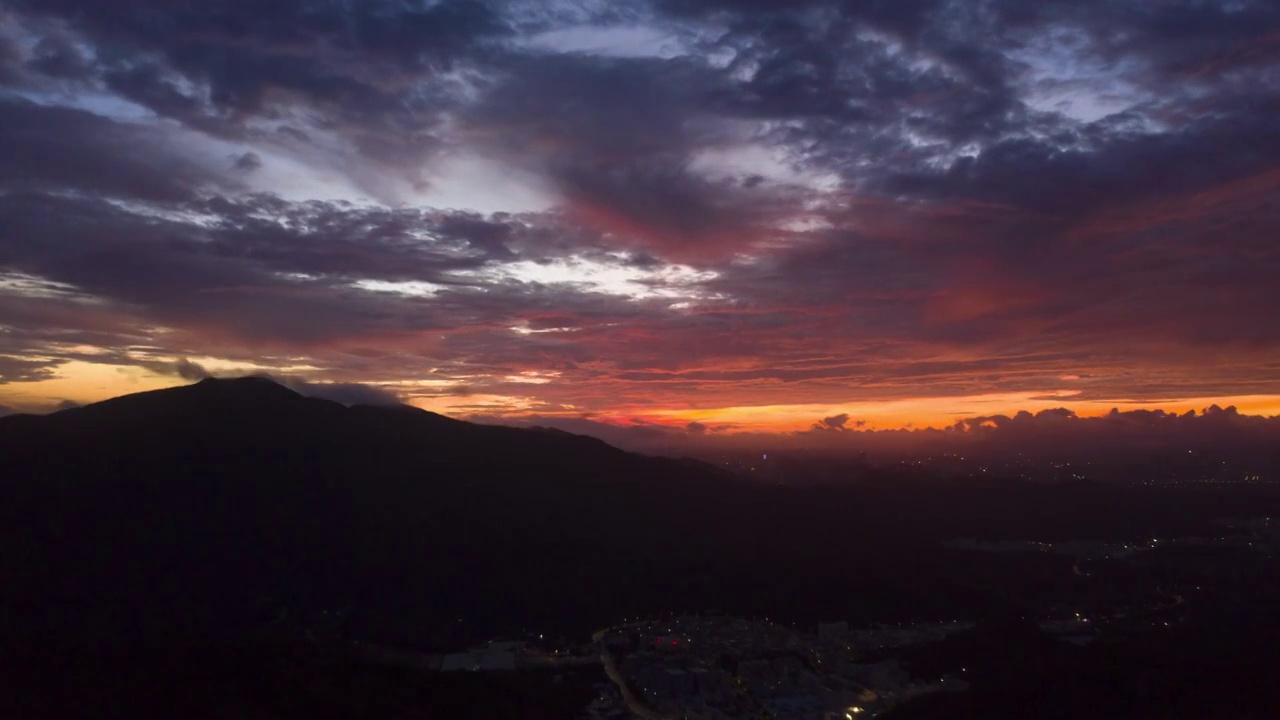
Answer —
(676, 211)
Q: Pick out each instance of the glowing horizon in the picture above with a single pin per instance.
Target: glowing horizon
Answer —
(88, 383)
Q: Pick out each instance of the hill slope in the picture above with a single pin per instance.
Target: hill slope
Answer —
(188, 510)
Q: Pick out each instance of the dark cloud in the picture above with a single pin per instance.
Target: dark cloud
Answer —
(663, 206)
(1133, 433)
(183, 368)
(305, 258)
(247, 162)
(17, 369)
(836, 422)
(216, 65)
(597, 109)
(616, 138)
(344, 393)
(11, 60)
(160, 90)
(57, 56)
(1172, 41)
(1023, 418)
(487, 236)
(1104, 168)
(55, 148)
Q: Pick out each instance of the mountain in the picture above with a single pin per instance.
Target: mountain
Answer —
(254, 413)
(191, 510)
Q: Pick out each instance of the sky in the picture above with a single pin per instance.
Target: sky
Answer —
(705, 216)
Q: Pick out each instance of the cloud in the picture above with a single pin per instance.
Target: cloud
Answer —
(57, 56)
(17, 369)
(247, 162)
(219, 276)
(52, 148)
(835, 422)
(759, 203)
(188, 370)
(1119, 434)
(617, 140)
(183, 368)
(242, 57)
(344, 393)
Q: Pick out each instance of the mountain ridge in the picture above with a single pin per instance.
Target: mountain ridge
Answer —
(253, 401)
(182, 510)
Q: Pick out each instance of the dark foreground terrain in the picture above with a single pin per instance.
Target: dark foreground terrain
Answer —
(216, 550)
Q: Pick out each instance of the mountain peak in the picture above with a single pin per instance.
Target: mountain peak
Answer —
(250, 396)
(256, 385)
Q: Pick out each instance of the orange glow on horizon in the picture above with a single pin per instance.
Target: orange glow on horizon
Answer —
(926, 412)
(84, 382)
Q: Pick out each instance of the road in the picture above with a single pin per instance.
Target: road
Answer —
(634, 704)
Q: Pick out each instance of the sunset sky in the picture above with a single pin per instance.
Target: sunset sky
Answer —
(701, 214)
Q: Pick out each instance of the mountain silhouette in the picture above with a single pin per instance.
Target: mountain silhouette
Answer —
(190, 512)
(256, 412)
